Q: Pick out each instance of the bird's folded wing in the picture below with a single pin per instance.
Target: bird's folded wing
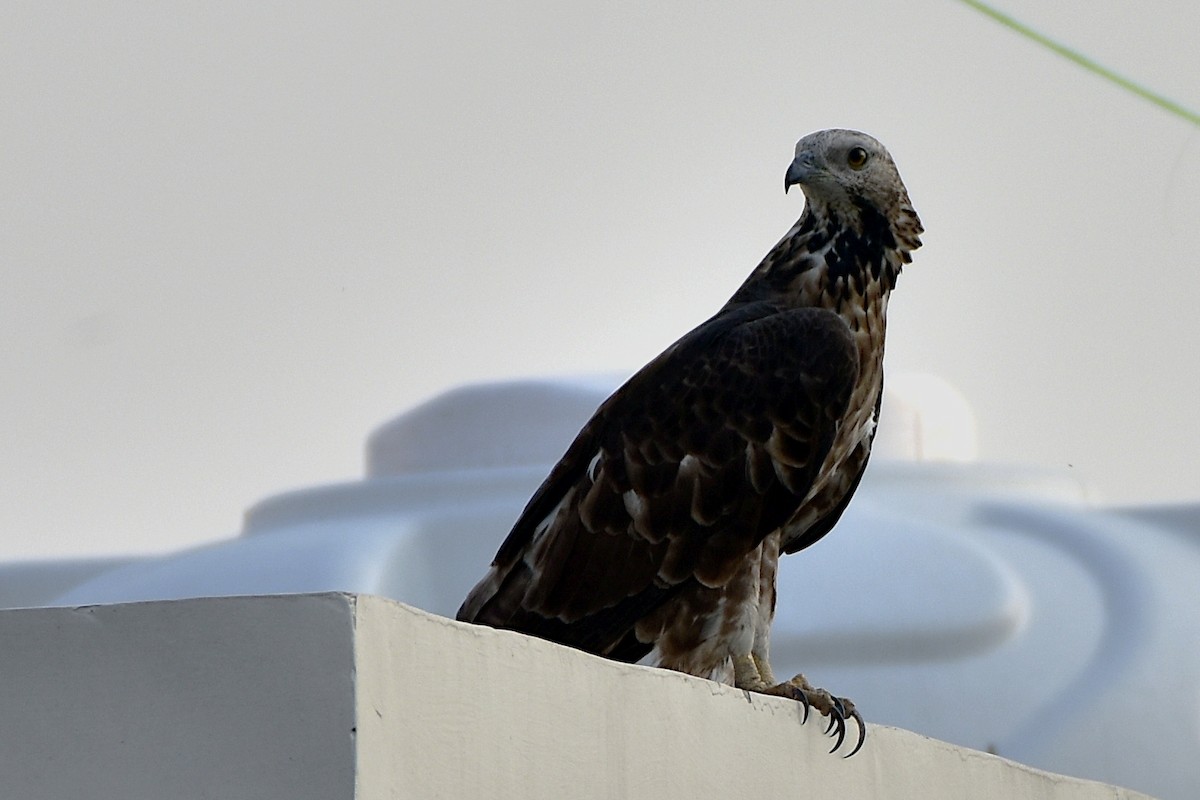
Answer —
(678, 476)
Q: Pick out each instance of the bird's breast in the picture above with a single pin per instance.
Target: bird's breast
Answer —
(866, 316)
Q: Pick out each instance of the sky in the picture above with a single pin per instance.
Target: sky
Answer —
(237, 237)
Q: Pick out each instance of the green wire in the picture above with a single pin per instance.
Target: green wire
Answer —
(1085, 62)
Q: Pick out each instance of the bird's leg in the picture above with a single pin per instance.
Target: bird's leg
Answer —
(748, 676)
(754, 675)
(764, 669)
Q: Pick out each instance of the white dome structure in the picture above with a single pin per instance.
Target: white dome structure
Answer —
(992, 606)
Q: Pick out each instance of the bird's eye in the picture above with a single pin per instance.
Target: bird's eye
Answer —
(856, 158)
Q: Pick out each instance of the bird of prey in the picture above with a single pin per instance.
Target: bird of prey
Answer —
(659, 531)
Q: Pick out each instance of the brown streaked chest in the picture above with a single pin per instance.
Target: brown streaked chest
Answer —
(865, 313)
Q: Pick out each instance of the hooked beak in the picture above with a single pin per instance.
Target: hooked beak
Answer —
(801, 168)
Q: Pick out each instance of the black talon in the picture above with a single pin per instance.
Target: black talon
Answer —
(841, 734)
(800, 696)
(835, 716)
(862, 732)
(840, 706)
(803, 698)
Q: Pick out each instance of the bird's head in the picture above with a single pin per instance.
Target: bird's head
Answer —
(851, 176)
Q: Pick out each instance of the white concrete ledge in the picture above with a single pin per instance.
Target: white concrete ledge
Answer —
(348, 696)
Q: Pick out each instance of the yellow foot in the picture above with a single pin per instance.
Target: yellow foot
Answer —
(838, 709)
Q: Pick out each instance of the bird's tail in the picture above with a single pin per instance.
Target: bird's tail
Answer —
(496, 600)
(499, 601)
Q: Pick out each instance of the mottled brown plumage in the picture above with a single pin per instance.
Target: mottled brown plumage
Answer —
(659, 531)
